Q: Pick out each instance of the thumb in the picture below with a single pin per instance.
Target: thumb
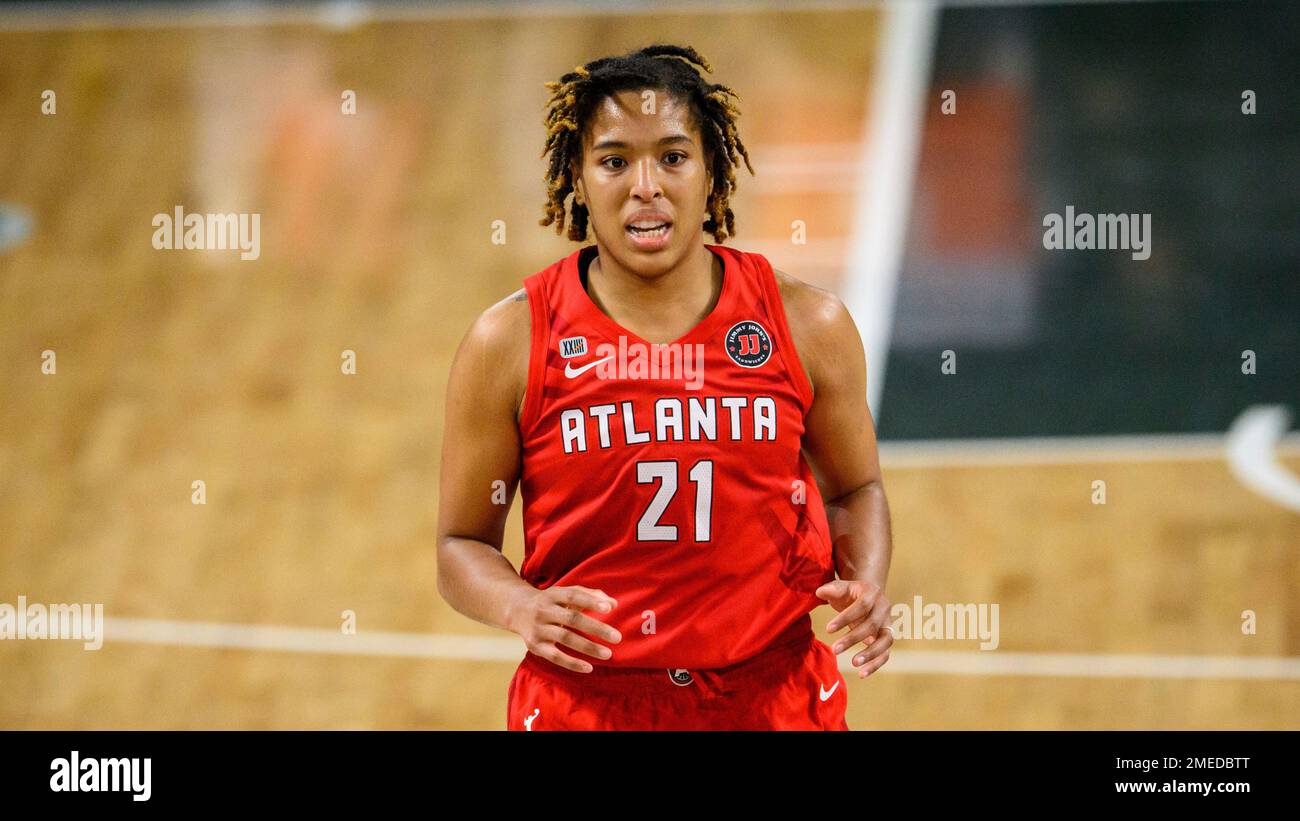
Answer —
(834, 589)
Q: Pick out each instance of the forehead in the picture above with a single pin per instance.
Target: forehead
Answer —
(635, 116)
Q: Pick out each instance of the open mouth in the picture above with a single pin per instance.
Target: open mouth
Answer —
(649, 230)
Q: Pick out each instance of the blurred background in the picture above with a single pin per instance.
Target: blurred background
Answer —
(917, 146)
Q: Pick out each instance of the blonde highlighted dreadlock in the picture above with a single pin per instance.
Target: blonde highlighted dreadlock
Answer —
(575, 96)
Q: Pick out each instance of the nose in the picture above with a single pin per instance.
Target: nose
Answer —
(645, 185)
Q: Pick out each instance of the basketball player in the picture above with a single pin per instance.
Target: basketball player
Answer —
(690, 428)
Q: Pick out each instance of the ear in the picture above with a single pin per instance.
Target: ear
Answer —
(579, 194)
(575, 173)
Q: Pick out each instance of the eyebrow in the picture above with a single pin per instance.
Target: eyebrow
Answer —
(674, 138)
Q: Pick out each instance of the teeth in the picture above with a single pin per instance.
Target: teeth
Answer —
(640, 230)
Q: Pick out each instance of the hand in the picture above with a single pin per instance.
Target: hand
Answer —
(864, 609)
(549, 617)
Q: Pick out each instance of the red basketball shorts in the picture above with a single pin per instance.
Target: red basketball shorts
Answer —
(794, 686)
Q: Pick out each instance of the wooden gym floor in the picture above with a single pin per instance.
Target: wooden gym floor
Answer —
(376, 237)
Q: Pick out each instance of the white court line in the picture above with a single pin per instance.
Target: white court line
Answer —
(510, 649)
(313, 640)
(1065, 450)
(1086, 665)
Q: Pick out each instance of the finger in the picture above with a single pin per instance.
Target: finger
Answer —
(873, 666)
(880, 646)
(830, 590)
(580, 643)
(860, 632)
(594, 593)
(852, 617)
(855, 612)
(586, 598)
(555, 655)
(867, 629)
(575, 619)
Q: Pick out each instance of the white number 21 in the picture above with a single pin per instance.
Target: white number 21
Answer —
(648, 528)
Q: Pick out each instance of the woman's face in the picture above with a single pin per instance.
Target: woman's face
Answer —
(643, 164)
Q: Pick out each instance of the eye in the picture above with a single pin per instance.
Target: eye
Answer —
(675, 154)
(605, 162)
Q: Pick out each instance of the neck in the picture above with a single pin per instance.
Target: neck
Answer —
(666, 304)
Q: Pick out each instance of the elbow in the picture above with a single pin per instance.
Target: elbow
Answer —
(442, 569)
(870, 487)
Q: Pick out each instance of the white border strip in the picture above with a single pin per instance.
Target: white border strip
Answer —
(50, 16)
(1065, 450)
(489, 648)
(58, 14)
(895, 116)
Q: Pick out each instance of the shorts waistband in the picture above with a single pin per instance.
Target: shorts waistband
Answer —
(665, 681)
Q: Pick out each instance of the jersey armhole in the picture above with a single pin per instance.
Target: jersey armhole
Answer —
(538, 334)
(785, 341)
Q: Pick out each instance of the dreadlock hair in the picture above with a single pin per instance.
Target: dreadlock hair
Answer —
(671, 68)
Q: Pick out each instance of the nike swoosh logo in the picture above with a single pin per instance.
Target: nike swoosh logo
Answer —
(825, 694)
(571, 371)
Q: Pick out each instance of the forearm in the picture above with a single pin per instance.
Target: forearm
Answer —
(478, 581)
(860, 534)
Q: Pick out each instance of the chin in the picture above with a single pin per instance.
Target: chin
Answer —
(650, 263)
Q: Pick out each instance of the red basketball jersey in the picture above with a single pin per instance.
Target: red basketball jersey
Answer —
(670, 476)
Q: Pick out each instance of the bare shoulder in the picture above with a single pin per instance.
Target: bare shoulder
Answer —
(496, 347)
(823, 329)
(505, 325)
(807, 304)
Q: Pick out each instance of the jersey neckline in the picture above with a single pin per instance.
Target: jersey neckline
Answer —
(730, 277)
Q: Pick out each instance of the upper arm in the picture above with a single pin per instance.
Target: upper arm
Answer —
(839, 437)
(481, 440)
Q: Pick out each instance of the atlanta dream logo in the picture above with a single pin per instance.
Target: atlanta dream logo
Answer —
(748, 344)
